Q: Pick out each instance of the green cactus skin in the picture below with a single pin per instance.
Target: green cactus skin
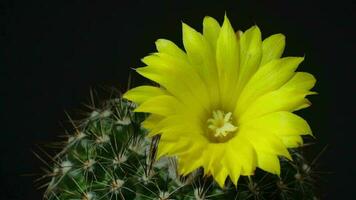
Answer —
(109, 157)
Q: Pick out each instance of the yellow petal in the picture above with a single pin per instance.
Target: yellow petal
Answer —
(187, 166)
(251, 53)
(241, 151)
(179, 146)
(227, 59)
(179, 80)
(220, 176)
(201, 56)
(143, 93)
(292, 141)
(272, 48)
(306, 104)
(301, 81)
(279, 100)
(265, 142)
(280, 123)
(290, 97)
(191, 158)
(211, 29)
(268, 78)
(198, 49)
(167, 147)
(233, 166)
(216, 152)
(164, 148)
(151, 121)
(179, 124)
(168, 47)
(269, 163)
(164, 105)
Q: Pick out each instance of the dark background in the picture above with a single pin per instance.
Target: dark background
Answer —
(53, 52)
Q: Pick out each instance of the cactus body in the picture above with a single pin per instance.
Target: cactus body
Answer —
(110, 157)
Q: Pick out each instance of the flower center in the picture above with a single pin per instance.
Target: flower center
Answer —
(220, 124)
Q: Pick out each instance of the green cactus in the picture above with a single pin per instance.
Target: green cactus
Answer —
(110, 157)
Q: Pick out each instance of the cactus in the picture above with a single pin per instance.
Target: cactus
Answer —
(109, 157)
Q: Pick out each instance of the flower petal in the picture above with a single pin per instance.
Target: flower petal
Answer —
(183, 83)
(280, 123)
(164, 105)
(233, 165)
(251, 53)
(280, 100)
(289, 97)
(264, 142)
(268, 78)
(168, 47)
(211, 30)
(151, 121)
(143, 93)
(168, 148)
(227, 59)
(215, 152)
(193, 158)
(244, 155)
(301, 81)
(186, 122)
(201, 56)
(291, 141)
(272, 48)
(269, 163)
(220, 176)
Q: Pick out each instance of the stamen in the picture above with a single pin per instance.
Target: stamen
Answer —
(220, 124)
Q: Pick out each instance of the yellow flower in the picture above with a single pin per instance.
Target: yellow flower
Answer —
(226, 102)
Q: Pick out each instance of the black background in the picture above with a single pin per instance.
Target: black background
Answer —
(52, 52)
